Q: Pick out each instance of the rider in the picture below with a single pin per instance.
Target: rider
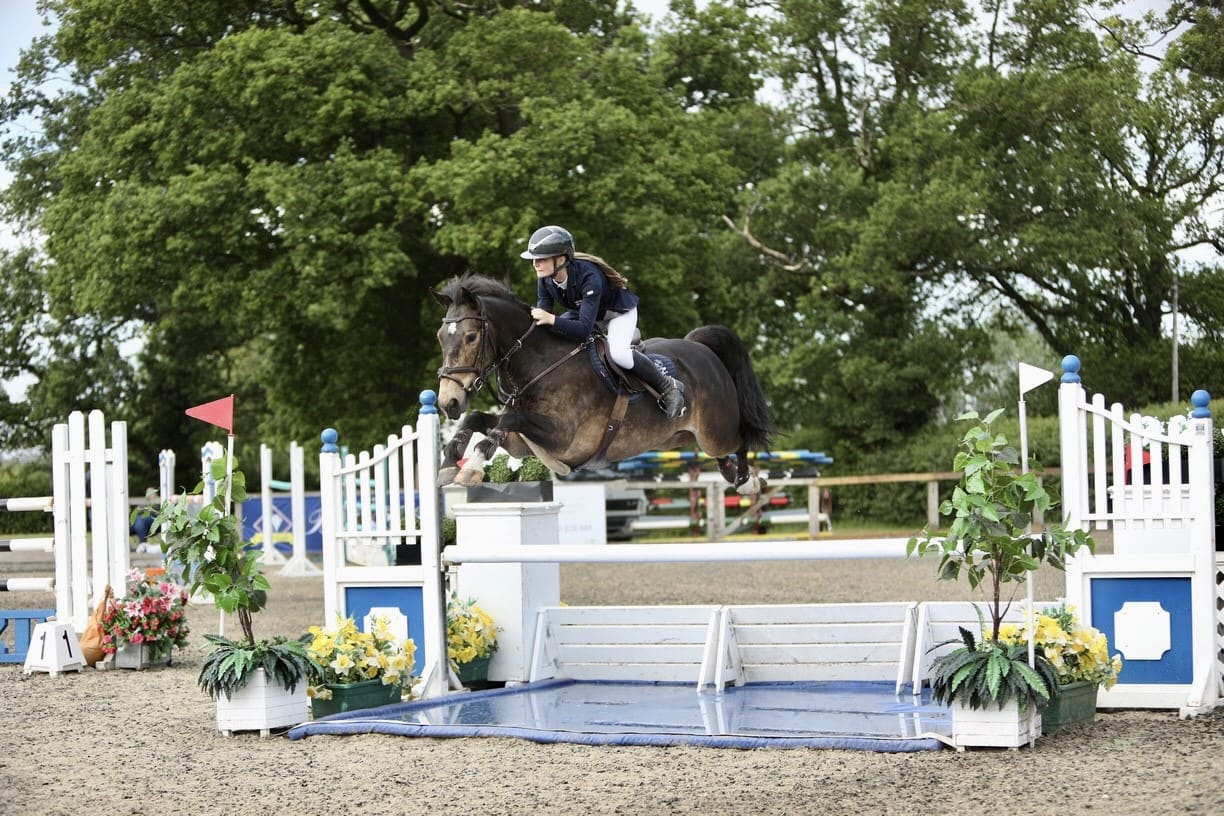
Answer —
(591, 290)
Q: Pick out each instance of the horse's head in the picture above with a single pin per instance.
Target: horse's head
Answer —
(466, 348)
(478, 309)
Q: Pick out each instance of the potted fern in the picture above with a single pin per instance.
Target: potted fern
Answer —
(993, 691)
(259, 685)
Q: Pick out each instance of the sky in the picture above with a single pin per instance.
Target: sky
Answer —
(20, 23)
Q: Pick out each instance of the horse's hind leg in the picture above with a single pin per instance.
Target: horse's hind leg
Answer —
(737, 473)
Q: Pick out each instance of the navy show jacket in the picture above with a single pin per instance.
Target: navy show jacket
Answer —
(587, 296)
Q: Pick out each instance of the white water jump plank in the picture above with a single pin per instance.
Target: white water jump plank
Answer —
(679, 553)
(807, 642)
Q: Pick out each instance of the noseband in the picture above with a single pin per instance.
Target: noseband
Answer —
(482, 372)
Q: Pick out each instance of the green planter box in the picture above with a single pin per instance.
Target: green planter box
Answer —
(1075, 703)
(355, 696)
(474, 671)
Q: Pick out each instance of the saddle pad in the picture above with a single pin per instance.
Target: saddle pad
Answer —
(665, 363)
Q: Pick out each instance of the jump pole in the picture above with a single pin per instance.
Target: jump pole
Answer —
(794, 550)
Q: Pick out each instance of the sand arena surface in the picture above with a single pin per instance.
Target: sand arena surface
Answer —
(125, 742)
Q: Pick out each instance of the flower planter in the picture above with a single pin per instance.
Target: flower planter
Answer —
(510, 492)
(261, 706)
(992, 727)
(474, 671)
(140, 656)
(1074, 703)
(354, 696)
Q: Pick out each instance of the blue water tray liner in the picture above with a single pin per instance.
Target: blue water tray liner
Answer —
(851, 715)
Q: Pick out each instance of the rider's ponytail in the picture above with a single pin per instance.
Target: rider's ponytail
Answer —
(615, 278)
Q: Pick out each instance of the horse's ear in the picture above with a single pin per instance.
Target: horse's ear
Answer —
(444, 299)
(468, 299)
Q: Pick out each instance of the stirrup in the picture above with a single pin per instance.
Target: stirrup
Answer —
(668, 400)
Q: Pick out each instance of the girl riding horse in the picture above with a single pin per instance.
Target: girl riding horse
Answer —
(591, 290)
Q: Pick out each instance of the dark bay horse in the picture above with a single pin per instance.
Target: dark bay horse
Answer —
(558, 408)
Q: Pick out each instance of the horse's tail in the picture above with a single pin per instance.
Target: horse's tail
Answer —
(757, 427)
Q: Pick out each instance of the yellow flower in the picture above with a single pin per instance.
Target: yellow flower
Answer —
(470, 631)
(345, 654)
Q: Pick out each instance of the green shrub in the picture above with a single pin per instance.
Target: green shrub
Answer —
(499, 470)
(533, 470)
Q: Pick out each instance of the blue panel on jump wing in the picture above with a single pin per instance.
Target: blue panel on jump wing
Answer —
(359, 600)
(1173, 595)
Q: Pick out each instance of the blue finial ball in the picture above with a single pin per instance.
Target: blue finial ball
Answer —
(329, 438)
(429, 402)
(1199, 400)
(1070, 367)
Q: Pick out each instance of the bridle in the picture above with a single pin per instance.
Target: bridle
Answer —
(484, 373)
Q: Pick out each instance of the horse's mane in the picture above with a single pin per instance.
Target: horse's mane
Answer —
(480, 286)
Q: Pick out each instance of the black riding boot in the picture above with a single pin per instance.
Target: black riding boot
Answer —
(671, 390)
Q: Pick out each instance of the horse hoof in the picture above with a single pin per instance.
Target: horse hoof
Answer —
(750, 486)
(468, 477)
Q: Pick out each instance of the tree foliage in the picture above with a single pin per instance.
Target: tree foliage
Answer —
(259, 197)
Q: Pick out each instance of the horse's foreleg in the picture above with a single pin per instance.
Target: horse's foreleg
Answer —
(452, 451)
(484, 450)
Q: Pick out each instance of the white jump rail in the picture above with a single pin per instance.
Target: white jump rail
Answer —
(696, 552)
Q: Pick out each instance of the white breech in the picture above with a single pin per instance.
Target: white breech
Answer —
(620, 338)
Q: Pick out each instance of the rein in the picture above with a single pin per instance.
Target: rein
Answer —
(483, 373)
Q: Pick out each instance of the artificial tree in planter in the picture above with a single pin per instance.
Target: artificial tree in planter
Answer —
(259, 685)
(532, 481)
(989, 683)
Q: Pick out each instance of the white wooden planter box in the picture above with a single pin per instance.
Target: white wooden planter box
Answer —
(261, 706)
(1009, 727)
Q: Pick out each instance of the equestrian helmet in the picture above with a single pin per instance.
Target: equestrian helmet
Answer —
(547, 242)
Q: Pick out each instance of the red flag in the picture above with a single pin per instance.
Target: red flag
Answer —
(218, 412)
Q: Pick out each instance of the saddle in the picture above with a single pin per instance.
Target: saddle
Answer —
(617, 379)
(627, 387)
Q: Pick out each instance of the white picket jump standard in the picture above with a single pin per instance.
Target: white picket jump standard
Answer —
(362, 503)
(1155, 597)
(298, 564)
(269, 555)
(165, 474)
(90, 526)
(76, 453)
